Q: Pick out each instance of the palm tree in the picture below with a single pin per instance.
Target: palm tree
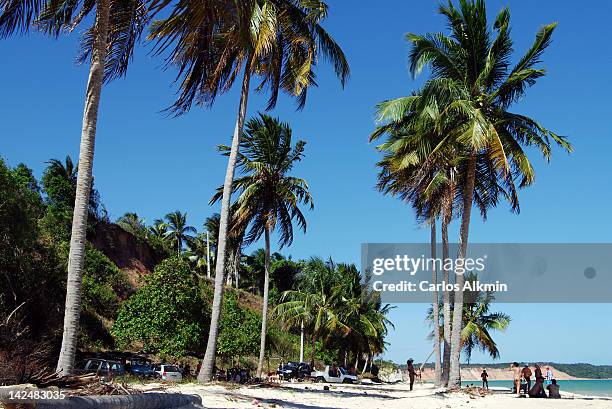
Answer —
(414, 170)
(317, 306)
(131, 223)
(235, 243)
(108, 46)
(269, 197)
(212, 43)
(197, 253)
(178, 230)
(478, 322)
(364, 313)
(473, 82)
(159, 229)
(60, 182)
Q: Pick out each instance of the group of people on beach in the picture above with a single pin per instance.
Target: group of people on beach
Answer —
(522, 382)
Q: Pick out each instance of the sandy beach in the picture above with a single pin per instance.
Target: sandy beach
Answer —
(313, 396)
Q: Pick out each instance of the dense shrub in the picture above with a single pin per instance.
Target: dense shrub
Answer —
(166, 315)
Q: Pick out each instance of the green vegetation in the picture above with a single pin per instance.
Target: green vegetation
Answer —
(166, 314)
(337, 309)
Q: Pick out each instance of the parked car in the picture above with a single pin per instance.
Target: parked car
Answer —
(104, 368)
(294, 370)
(142, 370)
(169, 373)
(334, 375)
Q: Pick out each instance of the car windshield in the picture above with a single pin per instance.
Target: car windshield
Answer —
(116, 366)
(171, 368)
(343, 371)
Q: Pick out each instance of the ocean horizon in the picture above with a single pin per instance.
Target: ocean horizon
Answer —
(587, 387)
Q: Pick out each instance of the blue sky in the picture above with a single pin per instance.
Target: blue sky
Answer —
(152, 164)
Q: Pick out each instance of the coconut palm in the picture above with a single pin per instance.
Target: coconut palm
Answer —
(131, 223)
(60, 182)
(159, 229)
(212, 42)
(269, 197)
(364, 313)
(235, 243)
(473, 82)
(108, 46)
(178, 229)
(317, 306)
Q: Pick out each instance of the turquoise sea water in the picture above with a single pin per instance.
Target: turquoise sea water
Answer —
(595, 387)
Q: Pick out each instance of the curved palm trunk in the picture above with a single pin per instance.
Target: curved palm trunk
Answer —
(208, 363)
(264, 311)
(447, 215)
(76, 257)
(436, 308)
(454, 380)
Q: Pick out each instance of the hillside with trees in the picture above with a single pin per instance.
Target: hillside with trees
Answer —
(147, 287)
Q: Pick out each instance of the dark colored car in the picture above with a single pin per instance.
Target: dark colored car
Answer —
(142, 370)
(294, 370)
(104, 368)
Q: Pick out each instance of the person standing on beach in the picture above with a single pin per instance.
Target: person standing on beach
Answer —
(526, 372)
(411, 372)
(549, 376)
(516, 374)
(484, 375)
(538, 374)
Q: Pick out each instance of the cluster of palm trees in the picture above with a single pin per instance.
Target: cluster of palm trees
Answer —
(454, 143)
(334, 305)
(211, 43)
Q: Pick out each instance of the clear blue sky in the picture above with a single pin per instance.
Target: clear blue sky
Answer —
(151, 164)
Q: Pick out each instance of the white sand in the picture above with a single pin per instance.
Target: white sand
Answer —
(312, 396)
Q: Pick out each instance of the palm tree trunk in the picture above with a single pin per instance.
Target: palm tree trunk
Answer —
(208, 363)
(314, 347)
(447, 215)
(76, 258)
(454, 380)
(302, 341)
(365, 364)
(264, 311)
(436, 307)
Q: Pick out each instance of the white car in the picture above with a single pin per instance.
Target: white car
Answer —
(334, 375)
(169, 373)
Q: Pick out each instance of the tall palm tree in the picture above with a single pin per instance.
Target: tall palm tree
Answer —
(473, 81)
(178, 229)
(212, 42)
(269, 197)
(108, 46)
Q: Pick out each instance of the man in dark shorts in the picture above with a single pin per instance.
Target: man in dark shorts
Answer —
(484, 375)
(526, 372)
(411, 372)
